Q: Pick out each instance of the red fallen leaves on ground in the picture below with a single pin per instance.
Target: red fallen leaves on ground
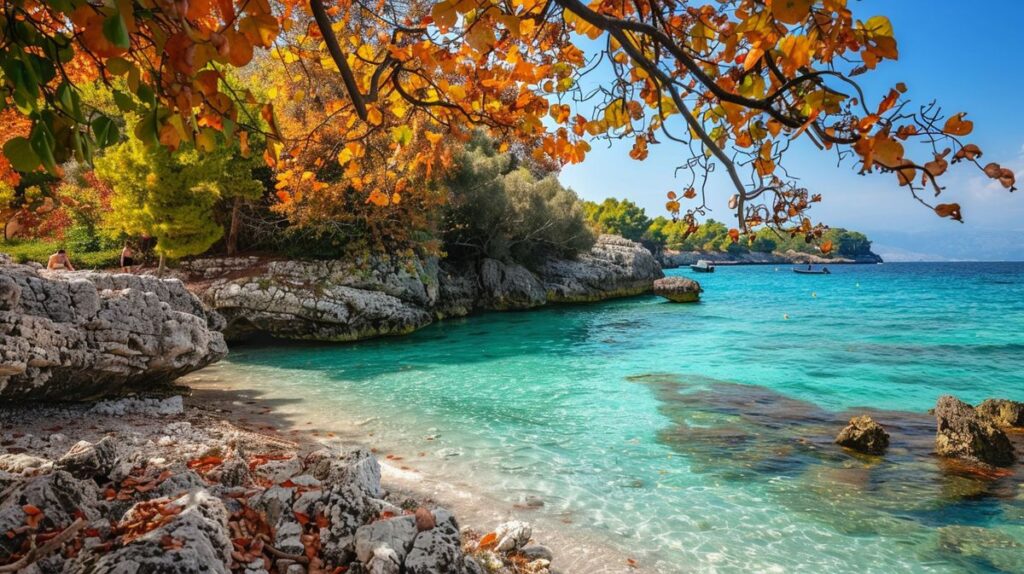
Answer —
(168, 542)
(261, 459)
(148, 516)
(489, 540)
(205, 464)
(137, 481)
(33, 516)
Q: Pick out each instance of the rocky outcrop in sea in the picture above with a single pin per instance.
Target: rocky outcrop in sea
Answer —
(350, 300)
(964, 433)
(79, 335)
(863, 434)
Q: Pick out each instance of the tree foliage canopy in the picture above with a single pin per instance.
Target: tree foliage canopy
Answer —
(619, 217)
(731, 84)
(171, 196)
(498, 208)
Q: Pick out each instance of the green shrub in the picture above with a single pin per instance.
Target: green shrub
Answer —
(40, 251)
(619, 217)
(500, 209)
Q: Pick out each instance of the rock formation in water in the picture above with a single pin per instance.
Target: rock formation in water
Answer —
(79, 335)
(346, 301)
(962, 433)
(1002, 412)
(678, 289)
(864, 435)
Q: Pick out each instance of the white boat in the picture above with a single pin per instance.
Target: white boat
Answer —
(703, 266)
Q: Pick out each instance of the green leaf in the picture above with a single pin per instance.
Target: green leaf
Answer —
(124, 102)
(118, 66)
(116, 31)
(43, 143)
(105, 131)
(67, 97)
(147, 129)
(146, 94)
(19, 152)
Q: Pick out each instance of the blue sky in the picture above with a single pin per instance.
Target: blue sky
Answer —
(967, 59)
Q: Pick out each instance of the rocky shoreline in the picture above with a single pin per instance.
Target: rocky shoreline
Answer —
(158, 485)
(348, 301)
(83, 335)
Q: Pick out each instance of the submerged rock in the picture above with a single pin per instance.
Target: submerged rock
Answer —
(82, 335)
(864, 435)
(1002, 412)
(962, 433)
(678, 289)
(994, 547)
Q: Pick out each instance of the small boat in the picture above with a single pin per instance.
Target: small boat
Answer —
(703, 266)
(811, 271)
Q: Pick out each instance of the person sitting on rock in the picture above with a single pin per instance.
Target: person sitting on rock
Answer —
(127, 258)
(59, 260)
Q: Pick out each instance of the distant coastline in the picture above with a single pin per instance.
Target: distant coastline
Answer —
(671, 259)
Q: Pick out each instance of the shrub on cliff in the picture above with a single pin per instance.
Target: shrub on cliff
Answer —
(618, 217)
(500, 209)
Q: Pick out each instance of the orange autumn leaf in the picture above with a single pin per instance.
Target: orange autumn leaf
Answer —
(956, 125)
(791, 11)
(951, 210)
(488, 541)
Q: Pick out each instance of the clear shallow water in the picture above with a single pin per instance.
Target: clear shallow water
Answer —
(698, 437)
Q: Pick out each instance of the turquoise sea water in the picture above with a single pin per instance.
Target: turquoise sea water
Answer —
(699, 437)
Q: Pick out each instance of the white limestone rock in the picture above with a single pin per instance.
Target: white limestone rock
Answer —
(85, 335)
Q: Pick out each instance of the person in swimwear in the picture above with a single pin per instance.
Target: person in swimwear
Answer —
(59, 260)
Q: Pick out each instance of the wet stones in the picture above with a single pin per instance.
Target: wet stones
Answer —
(962, 433)
(864, 435)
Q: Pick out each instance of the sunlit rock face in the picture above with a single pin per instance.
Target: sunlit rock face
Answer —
(614, 267)
(353, 300)
(83, 335)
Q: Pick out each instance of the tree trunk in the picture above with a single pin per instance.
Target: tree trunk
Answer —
(233, 231)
